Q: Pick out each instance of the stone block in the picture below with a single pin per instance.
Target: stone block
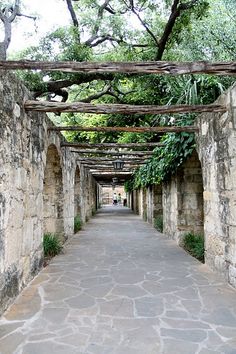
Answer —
(232, 275)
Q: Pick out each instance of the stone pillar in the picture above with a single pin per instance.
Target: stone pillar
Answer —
(216, 145)
(149, 199)
(53, 201)
(170, 207)
(183, 200)
(136, 200)
(190, 197)
(77, 193)
(157, 211)
(143, 203)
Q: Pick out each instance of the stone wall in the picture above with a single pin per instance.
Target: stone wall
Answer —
(201, 196)
(37, 185)
(217, 151)
(183, 200)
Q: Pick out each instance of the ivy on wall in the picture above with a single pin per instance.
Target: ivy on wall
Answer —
(164, 162)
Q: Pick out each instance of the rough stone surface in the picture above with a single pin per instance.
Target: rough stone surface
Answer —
(36, 188)
(121, 287)
(217, 151)
(183, 200)
(201, 196)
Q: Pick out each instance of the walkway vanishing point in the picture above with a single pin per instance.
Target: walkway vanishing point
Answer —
(121, 287)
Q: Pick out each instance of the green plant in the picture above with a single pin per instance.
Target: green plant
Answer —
(93, 211)
(145, 215)
(77, 223)
(194, 244)
(51, 245)
(158, 223)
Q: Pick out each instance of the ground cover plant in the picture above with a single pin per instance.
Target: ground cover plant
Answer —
(194, 244)
(51, 245)
(158, 223)
(77, 223)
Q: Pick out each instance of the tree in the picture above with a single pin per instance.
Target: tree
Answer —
(8, 14)
(128, 30)
(111, 30)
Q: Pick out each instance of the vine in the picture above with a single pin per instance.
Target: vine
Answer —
(164, 162)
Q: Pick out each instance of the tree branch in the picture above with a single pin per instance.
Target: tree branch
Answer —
(72, 13)
(175, 13)
(106, 91)
(57, 87)
(176, 10)
(152, 35)
(96, 26)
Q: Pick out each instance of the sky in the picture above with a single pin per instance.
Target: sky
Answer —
(51, 13)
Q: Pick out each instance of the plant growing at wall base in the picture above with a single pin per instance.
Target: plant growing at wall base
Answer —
(93, 211)
(77, 223)
(51, 245)
(158, 223)
(194, 244)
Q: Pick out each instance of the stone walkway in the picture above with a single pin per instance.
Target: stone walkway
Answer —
(121, 287)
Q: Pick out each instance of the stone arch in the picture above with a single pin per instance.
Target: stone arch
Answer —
(53, 194)
(77, 193)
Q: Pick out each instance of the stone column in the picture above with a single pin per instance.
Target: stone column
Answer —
(183, 200)
(157, 211)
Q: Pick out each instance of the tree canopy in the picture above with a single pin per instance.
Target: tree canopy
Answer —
(133, 30)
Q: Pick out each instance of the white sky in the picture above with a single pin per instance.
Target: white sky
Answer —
(51, 13)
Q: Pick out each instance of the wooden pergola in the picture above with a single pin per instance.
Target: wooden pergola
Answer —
(102, 167)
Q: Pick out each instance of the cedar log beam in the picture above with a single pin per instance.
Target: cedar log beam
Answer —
(148, 67)
(172, 129)
(111, 145)
(110, 159)
(117, 153)
(110, 166)
(48, 106)
(109, 163)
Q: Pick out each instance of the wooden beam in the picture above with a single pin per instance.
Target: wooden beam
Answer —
(110, 145)
(126, 166)
(106, 168)
(117, 153)
(169, 129)
(111, 173)
(132, 159)
(109, 163)
(47, 106)
(145, 67)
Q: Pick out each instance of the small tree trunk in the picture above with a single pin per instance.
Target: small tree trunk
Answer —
(3, 52)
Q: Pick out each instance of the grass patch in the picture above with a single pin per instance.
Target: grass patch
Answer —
(158, 223)
(51, 245)
(77, 223)
(194, 244)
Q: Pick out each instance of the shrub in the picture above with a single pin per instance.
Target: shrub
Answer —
(51, 245)
(194, 244)
(158, 223)
(93, 211)
(77, 223)
(145, 215)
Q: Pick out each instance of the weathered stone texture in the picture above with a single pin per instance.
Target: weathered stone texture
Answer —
(183, 200)
(170, 207)
(36, 188)
(217, 151)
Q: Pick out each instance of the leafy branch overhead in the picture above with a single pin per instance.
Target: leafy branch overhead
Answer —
(116, 30)
(132, 30)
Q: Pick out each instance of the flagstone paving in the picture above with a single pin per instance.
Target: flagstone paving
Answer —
(121, 287)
